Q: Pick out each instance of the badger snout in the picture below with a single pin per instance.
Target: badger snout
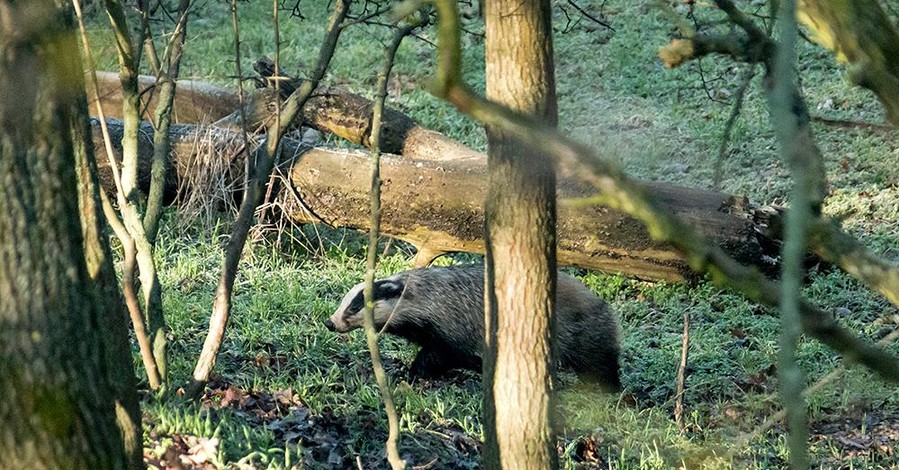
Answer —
(338, 324)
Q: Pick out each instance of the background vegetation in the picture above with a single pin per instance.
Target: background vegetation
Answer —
(291, 393)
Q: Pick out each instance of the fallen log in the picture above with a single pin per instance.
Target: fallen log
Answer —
(330, 110)
(438, 204)
(195, 101)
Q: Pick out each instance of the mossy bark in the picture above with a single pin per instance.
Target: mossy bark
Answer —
(106, 295)
(58, 393)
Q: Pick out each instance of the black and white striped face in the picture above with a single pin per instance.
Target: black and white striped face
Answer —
(348, 315)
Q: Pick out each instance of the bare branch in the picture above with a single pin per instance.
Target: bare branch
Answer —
(743, 21)
(681, 374)
(729, 124)
(837, 246)
(235, 25)
(592, 18)
(791, 379)
(162, 120)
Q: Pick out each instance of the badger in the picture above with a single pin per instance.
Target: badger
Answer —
(441, 309)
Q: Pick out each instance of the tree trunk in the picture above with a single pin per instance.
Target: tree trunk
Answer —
(104, 283)
(520, 232)
(57, 393)
(448, 179)
(439, 205)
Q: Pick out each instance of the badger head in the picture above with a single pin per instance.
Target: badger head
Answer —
(348, 315)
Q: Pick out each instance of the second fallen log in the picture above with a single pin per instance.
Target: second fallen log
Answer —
(438, 205)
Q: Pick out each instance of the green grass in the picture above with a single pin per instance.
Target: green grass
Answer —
(276, 341)
(659, 124)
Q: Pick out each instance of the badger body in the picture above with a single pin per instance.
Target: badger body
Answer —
(441, 309)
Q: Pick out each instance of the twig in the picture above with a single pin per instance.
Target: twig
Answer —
(731, 120)
(591, 17)
(235, 25)
(371, 334)
(148, 40)
(681, 374)
(162, 121)
(367, 17)
(883, 129)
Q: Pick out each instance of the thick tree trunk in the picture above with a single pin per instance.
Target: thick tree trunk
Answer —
(108, 297)
(57, 398)
(520, 231)
(439, 205)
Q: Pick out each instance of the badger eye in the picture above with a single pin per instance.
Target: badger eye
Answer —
(356, 305)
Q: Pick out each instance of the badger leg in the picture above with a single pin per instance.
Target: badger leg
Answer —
(429, 364)
(597, 366)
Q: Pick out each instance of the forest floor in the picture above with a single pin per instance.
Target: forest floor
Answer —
(288, 393)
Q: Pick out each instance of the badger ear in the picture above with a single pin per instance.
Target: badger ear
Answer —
(389, 288)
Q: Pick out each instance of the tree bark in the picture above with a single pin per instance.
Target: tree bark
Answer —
(104, 284)
(520, 231)
(439, 205)
(57, 378)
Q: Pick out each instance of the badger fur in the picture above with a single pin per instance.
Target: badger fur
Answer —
(442, 310)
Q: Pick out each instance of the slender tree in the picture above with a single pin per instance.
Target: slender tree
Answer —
(371, 333)
(521, 242)
(140, 214)
(58, 395)
(265, 158)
